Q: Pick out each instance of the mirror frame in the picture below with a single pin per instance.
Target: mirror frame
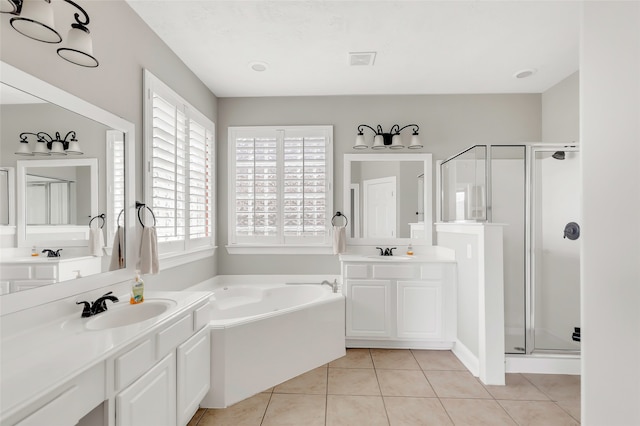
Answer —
(9, 228)
(28, 239)
(427, 194)
(21, 300)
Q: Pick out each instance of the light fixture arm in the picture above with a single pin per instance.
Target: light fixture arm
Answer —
(82, 25)
(360, 129)
(45, 137)
(416, 128)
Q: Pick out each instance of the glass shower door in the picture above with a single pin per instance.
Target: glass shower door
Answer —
(555, 260)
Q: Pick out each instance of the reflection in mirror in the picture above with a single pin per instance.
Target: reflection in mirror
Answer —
(386, 197)
(57, 195)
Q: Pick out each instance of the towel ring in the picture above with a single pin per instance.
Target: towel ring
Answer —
(118, 220)
(100, 216)
(339, 214)
(140, 206)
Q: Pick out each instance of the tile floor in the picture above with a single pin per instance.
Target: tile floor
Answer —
(404, 387)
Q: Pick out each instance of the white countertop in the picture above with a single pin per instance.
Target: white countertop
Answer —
(431, 258)
(43, 259)
(35, 361)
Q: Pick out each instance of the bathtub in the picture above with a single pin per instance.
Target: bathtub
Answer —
(265, 334)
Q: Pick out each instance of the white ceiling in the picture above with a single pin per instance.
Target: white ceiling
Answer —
(423, 47)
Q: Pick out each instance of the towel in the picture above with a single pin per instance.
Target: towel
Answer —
(117, 255)
(339, 239)
(148, 260)
(96, 241)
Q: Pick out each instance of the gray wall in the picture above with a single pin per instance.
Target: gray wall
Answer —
(561, 111)
(448, 124)
(124, 45)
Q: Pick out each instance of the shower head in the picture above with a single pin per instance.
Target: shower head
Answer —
(558, 155)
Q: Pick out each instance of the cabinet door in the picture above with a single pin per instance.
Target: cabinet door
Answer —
(194, 374)
(150, 400)
(368, 308)
(419, 309)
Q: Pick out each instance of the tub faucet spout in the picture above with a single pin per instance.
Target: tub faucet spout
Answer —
(333, 285)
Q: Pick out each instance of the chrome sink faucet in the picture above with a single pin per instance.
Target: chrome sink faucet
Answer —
(100, 305)
(334, 285)
(52, 253)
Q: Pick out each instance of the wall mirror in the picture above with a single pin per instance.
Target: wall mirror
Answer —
(388, 198)
(95, 182)
(7, 199)
(56, 201)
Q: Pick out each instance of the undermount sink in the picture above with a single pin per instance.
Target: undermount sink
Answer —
(124, 313)
(394, 257)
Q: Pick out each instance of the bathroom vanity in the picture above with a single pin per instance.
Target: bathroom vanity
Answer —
(144, 364)
(24, 273)
(399, 301)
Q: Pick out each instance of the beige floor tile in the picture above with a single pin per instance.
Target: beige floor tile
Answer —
(559, 387)
(268, 390)
(476, 412)
(353, 381)
(295, 410)
(438, 360)
(355, 358)
(196, 417)
(394, 359)
(456, 384)
(403, 411)
(404, 383)
(355, 411)
(245, 413)
(572, 407)
(538, 413)
(517, 387)
(311, 382)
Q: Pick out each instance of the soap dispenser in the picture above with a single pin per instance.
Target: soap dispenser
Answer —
(410, 250)
(137, 290)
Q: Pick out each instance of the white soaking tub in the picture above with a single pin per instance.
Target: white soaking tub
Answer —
(265, 334)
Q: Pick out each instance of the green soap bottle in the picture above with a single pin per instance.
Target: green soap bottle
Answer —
(137, 290)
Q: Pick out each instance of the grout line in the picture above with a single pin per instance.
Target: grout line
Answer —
(266, 408)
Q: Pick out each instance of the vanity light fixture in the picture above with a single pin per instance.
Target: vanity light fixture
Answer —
(34, 19)
(391, 140)
(47, 145)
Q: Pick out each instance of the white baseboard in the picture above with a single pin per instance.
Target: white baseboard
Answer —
(543, 364)
(398, 344)
(467, 358)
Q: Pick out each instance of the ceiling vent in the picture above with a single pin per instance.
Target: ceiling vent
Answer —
(362, 58)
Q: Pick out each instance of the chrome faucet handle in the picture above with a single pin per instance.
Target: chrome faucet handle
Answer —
(100, 305)
(381, 251)
(391, 251)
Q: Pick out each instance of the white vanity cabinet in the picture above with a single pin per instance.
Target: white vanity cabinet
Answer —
(407, 303)
(40, 270)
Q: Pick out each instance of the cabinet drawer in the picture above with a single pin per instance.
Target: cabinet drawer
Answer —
(173, 335)
(432, 272)
(129, 366)
(43, 272)
(395, 271)
(16, 272)
(72, 401)
(355, 271)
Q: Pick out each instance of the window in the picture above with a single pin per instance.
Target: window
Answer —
(115, 182)
(179, 178)
(280, 191)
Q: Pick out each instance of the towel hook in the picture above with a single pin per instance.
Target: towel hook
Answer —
(139, 206)
(100, 216)
(118, 220)
(339, 214)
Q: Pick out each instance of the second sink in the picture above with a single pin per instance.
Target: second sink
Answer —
(123, 314)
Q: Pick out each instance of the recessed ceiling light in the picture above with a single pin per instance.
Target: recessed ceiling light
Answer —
(525, 73)
(258, 66)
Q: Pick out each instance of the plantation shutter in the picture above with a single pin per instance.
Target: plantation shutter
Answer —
(200, 181)
(280, 185)
(168, 164)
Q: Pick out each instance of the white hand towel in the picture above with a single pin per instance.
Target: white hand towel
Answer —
(117, 255)
(148, 260)
(96, 241)
(339, 239)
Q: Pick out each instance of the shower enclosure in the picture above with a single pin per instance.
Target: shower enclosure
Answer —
(534, 190)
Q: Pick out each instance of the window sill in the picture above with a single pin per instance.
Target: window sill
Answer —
(266, 249)
(171, 260)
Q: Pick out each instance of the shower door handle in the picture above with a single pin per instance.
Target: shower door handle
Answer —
(572, 231)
